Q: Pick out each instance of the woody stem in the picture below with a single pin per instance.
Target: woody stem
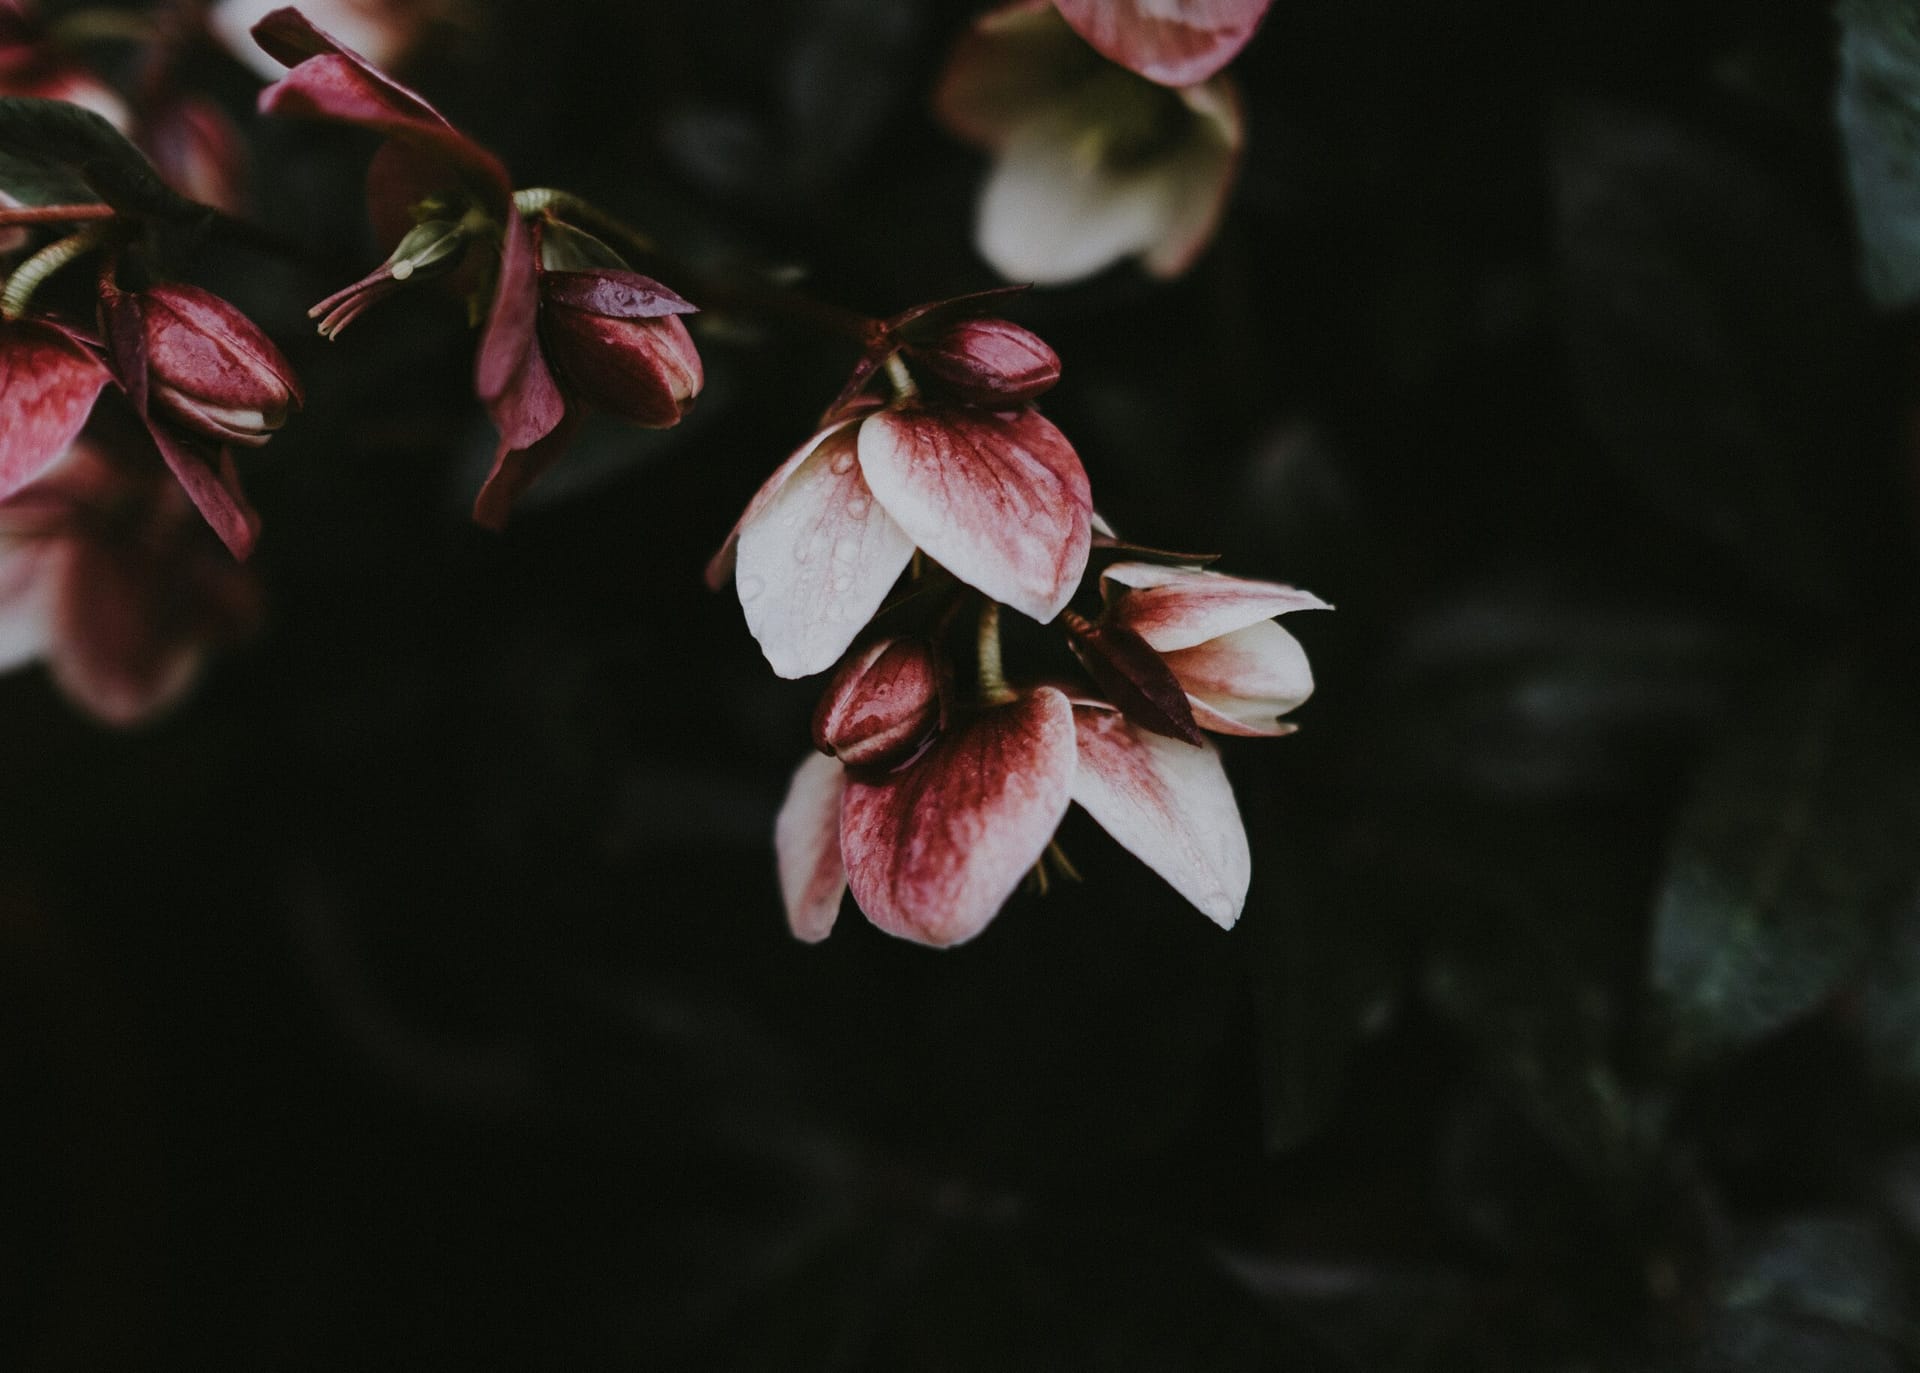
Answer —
(53, 214)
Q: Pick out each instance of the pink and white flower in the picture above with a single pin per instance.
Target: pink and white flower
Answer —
(996, 496)
(933, 849)
(108, 574)
(1091, 162)
(1240, 670)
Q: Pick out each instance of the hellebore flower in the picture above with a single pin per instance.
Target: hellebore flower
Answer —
(108, 574)
(1240, 670)
(933, 848)
(996, 496)
(1174, 42)
(211, 370)
(612, 340)
(201, 376)
(1091, 163)
(436, 193)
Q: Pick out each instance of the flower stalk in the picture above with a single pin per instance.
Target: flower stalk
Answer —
(29, 275)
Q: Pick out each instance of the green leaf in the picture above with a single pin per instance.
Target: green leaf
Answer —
(1879, 116)
(1797, 843)
(52, 152)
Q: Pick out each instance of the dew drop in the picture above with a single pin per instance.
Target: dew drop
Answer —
(842, 463)
(843, 581)
(857, 508)
(750, 588)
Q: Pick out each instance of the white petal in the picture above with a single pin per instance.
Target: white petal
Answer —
(816, 559)
(1053, 212)
(1249, 677)
(25, 601)
(1170, 805)
(806, 840)
(1176, 607)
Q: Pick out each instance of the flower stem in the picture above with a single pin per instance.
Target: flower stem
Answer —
(54, 214)
(992, 676)
(28, 275)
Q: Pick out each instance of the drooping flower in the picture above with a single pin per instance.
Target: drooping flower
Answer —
(996, 496)
(932, 849)
(1174, 42)
(1092, 163)
(107, 574)
(1239, 669)
(445, 202)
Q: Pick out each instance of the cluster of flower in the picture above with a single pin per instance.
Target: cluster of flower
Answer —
(933, 494)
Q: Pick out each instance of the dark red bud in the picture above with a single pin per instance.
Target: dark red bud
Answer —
(211, 369)
(881, 704)
(989, 362)
(1136, 679)
(617, 343)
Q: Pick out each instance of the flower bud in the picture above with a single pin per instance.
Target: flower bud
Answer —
(880, 705)
(615, 339)
(211, 369)
(989, 362)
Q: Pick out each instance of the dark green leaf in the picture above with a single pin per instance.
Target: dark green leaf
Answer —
(53, 152)
(1797, 842)
(1879, 114)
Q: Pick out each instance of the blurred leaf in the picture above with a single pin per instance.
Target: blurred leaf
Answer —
(1797, 841)
(1718, 350)
(50, 149)
(1816, 1294)
(1879, 114)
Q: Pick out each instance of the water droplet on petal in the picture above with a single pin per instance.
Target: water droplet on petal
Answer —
(842, 463)
(857, 508)
(750, 587)
(843, 581)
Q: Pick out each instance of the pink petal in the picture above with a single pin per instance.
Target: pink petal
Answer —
(1169, 804)
(331, 81)
(1174, 42)
(1000, 500)
(806, 840)
(48, 384)
(1239, 683)
(29, 567)
(510, 373)
(1013, 64)
(117, 651)
(213, 486)
(515, 469)
(815, 558)
(935, 849)
(1175, 607)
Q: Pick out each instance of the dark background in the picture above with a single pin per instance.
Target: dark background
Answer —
(418, 995)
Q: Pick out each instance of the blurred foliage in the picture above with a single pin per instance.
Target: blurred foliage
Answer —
(418, 996)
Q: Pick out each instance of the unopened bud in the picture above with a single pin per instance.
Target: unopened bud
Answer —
(882, 703)
(616, 340)
(988, 362)
(211, 369)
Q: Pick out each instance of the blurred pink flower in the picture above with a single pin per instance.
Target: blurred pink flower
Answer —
(29, 65)
(1174, 42)
(1091, 163)
(107, 573)
(386, 32)
(1240, 670)
(933, 849)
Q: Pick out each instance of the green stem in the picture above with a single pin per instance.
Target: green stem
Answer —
(992, 676)
(28, 275)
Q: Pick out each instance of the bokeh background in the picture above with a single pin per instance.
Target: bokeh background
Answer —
(418, 994)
